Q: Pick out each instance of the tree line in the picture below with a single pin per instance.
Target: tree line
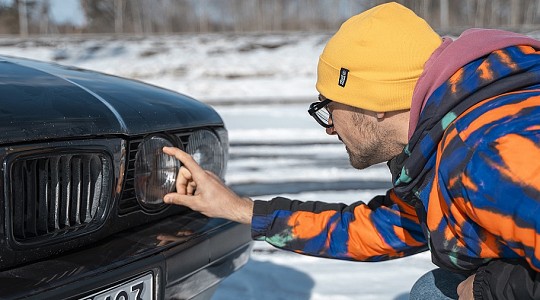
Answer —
(140, 17)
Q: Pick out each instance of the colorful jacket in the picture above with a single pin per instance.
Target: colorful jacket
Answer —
(466, 186)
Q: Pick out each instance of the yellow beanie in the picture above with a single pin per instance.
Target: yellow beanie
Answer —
(375, 58)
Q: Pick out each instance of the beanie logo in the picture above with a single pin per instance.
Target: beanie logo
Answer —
(343, 73)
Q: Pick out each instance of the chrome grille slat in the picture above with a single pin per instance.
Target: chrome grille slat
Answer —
(44, 194)
(18, 206)
(54, 212)
(31, 187)
(96, 193)
(65, 198)
(58, 193)
(76, 192)
(85, 197)
(128, 202)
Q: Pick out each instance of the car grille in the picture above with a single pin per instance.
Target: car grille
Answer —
(58, 194)
(128, 202)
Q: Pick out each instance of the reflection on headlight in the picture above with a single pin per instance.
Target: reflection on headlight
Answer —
(155, 172)
(207, 150)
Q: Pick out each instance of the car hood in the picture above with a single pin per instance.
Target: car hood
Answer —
(43, 101)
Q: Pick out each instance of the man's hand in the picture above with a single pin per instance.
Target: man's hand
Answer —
(204, 192)
(465, 289)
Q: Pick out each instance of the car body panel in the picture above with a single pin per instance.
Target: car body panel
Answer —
(82, 103)
(174, 256)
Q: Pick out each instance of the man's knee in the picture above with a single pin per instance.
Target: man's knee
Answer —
(436, 284)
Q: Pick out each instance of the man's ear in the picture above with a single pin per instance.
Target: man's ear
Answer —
(380, 115)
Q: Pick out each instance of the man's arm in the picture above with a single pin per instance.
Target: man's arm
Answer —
(386, 228)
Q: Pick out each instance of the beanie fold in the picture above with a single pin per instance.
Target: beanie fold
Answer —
(377, 96)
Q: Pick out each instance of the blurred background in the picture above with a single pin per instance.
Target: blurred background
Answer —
(145, 17)
(255, 62)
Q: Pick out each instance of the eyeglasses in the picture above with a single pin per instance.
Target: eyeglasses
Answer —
(319, 111)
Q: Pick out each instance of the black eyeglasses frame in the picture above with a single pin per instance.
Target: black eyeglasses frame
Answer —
(316, 106)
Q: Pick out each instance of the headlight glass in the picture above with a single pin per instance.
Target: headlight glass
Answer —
(208, 151)
(155, 172)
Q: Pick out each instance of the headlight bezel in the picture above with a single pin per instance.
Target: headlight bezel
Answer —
(182, 140)
(212, 153)
(155, 205)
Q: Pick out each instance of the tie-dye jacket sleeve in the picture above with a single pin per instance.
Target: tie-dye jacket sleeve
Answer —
(383, 229)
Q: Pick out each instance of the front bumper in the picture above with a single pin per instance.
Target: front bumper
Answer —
(186, 254)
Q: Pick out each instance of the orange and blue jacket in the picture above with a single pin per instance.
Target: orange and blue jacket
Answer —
(466, 187)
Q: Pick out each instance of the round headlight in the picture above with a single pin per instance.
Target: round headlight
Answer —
(206, 149)
(155, 172)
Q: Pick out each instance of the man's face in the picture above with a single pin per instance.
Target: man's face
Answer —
(367, 139)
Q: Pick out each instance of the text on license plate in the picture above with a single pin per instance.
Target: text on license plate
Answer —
(140, 288)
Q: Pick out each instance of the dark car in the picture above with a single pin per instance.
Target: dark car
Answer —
(83, 177)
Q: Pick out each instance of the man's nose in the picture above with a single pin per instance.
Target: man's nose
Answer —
(331, 130)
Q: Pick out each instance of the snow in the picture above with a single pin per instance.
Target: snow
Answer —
(208, 67)
(261, 84)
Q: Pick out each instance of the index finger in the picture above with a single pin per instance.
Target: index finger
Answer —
(186, 160)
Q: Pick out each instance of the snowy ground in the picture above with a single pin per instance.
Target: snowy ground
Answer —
(261, 85)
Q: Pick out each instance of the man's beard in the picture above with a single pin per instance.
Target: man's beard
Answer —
(374, 145)
(371, 152)
(357, 160)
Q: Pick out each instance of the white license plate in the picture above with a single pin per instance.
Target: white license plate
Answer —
(140, 288)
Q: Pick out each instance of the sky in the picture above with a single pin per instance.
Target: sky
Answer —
(62, 11)
(67, 11)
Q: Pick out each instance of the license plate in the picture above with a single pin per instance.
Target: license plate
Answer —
(140, 288)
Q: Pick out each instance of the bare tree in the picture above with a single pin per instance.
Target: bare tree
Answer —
(44, 17)
(147, 12)
(480, 13)
(530, 12)
(100, 15)
(9, 18)
(119, 16)
(514, 12)
(278, 15)
(26, 17)
(23, 18)
(495, 17)
(424, 10)
(203, 16)
(444, 15)
(136, 16)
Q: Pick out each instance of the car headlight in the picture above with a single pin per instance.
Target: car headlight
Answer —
(155, 172)
(208, 151)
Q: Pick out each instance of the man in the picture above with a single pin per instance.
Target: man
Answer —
(458, 122)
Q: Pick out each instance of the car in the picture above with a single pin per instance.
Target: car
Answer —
(83, 180)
